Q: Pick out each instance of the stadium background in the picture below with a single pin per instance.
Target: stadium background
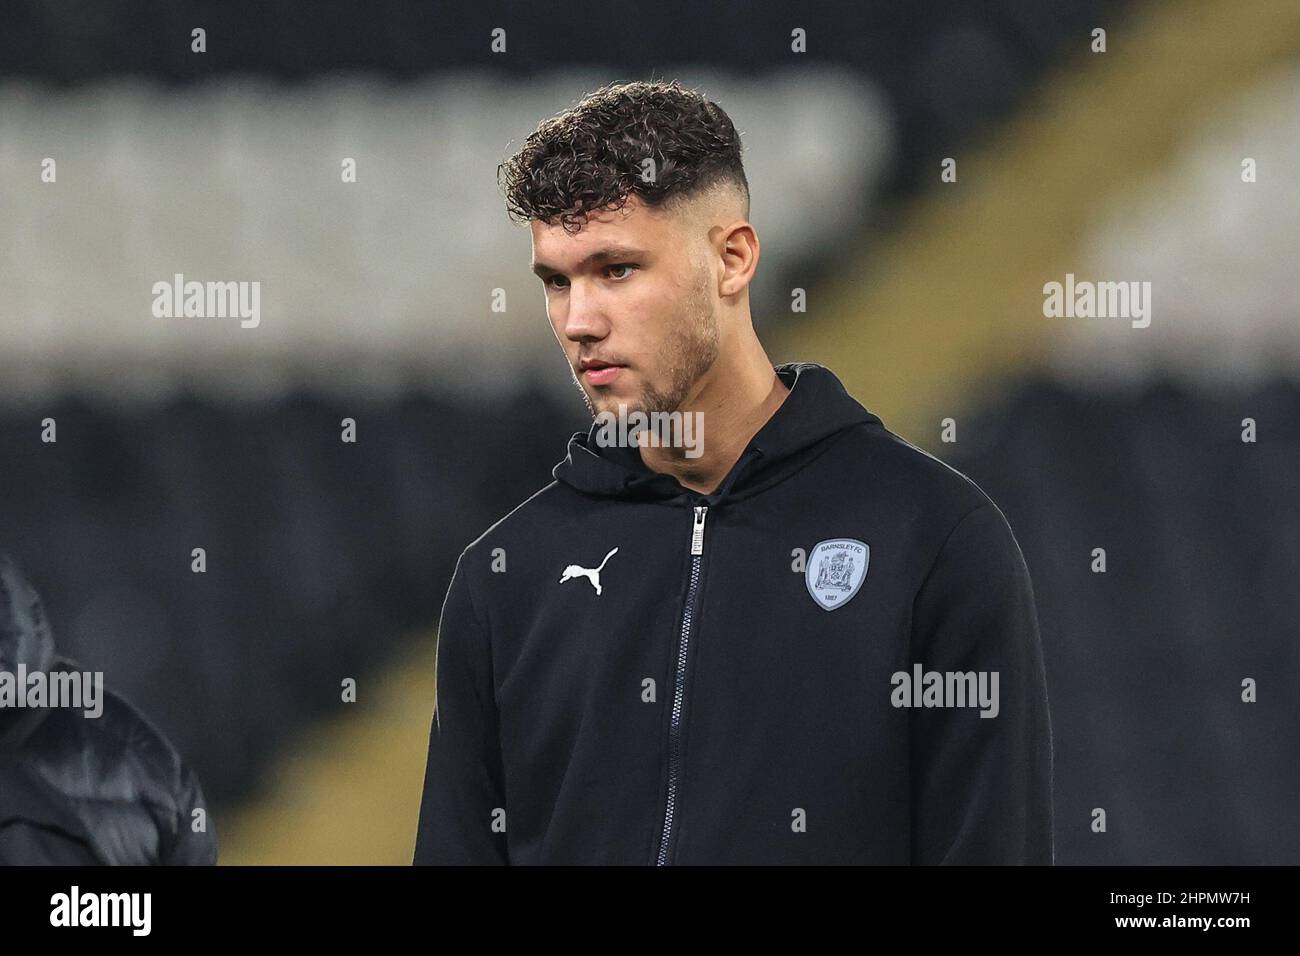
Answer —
(328, 560)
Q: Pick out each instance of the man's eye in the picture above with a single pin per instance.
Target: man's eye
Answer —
(630, 267)
(550, 279)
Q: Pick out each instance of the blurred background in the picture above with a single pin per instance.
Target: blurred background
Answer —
(328, 560)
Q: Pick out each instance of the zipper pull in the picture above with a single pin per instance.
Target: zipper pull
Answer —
(697, 532)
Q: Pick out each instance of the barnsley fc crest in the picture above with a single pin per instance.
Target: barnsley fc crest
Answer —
(835, 571)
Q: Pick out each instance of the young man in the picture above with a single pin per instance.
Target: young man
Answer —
(797, 640)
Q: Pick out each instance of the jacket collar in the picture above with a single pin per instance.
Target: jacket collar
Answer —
(817, 408)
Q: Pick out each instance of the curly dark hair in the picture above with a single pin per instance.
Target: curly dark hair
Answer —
(592, 157)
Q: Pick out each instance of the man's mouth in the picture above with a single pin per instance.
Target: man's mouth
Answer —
(597, 373)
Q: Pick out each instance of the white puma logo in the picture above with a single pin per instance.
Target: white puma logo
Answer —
(591, 574)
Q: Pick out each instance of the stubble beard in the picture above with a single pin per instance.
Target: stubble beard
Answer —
(683, 358)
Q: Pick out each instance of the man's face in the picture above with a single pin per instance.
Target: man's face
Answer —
(632, 303)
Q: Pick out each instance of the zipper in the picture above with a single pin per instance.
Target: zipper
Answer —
(679, 682)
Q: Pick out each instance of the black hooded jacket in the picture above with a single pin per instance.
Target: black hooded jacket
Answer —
(629, 672)
(78, 789)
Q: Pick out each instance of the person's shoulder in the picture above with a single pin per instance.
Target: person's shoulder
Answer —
(123, 728)
(539, 513)
(909, 475)
(118, 739)
(948, 512)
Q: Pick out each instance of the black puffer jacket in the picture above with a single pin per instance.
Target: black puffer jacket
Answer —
(36, 824)
(73, 789)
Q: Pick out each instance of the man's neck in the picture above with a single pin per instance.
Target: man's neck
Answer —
(734, 403)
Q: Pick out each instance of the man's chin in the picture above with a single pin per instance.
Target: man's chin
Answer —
(611, 398)
(604, 405)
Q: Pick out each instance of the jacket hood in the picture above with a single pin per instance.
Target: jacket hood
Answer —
(817, 409)
(25, 638)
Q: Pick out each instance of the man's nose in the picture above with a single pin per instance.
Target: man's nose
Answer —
(584, 318)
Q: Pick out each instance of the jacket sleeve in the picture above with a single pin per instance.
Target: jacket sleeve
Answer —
(981, 785)
(462, 812)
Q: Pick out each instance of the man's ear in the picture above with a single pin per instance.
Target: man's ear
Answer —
(740, 250)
